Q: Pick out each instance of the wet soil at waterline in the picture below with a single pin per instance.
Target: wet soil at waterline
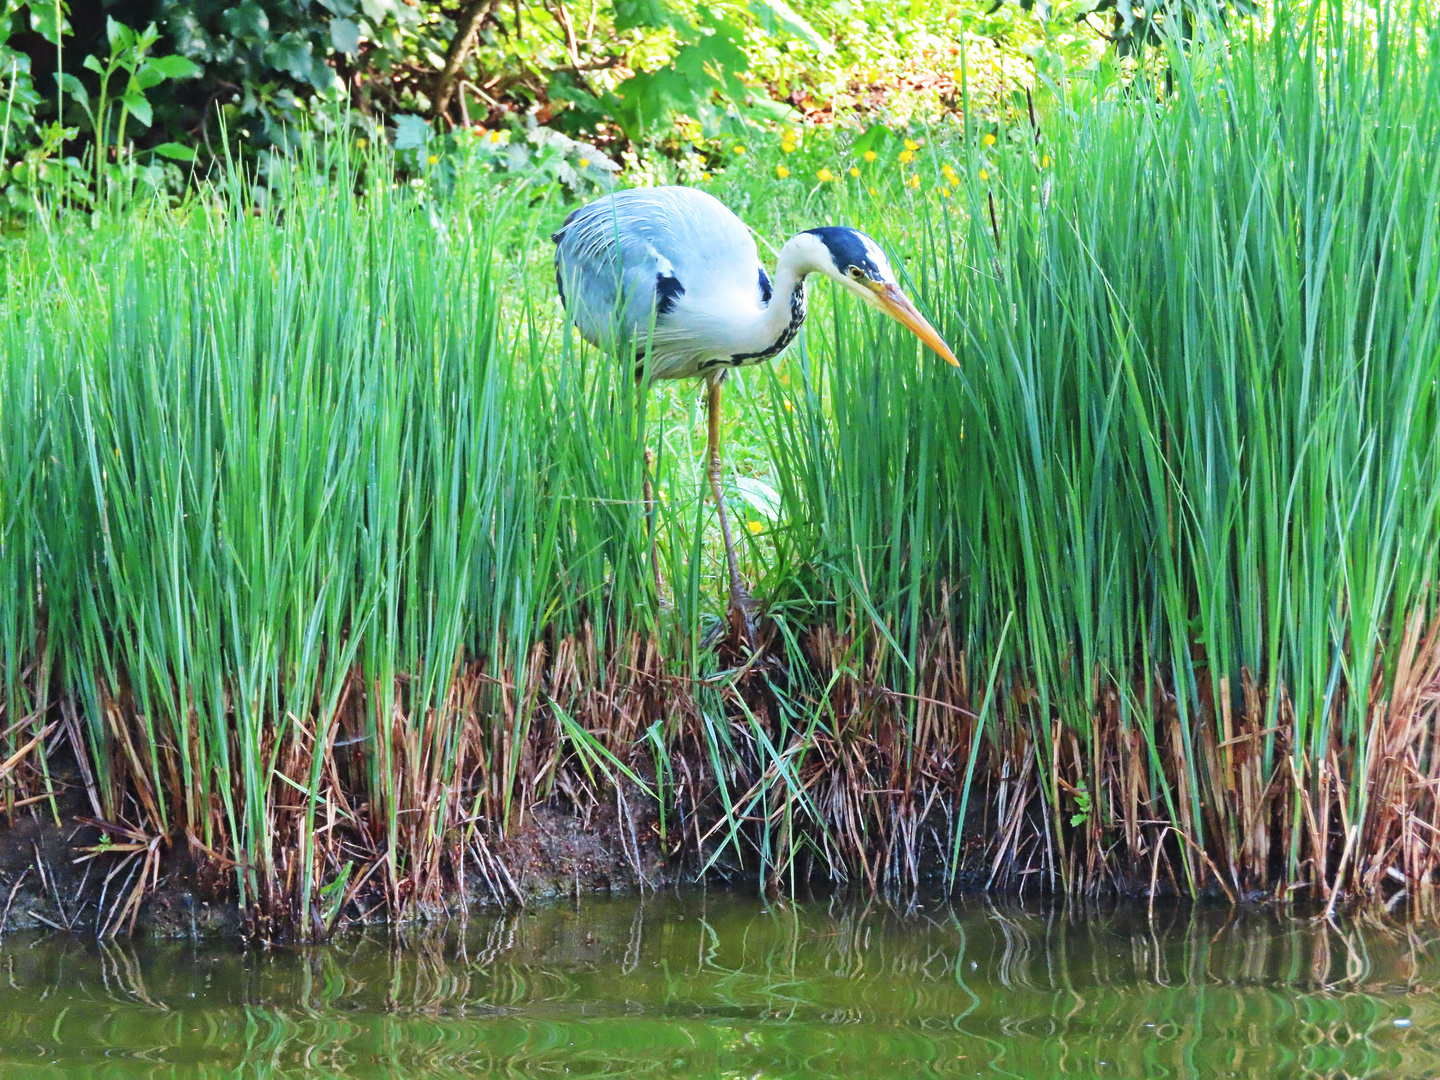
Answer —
(65, 877)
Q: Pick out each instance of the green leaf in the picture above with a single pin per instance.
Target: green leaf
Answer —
(147, 76)
(291, 54)
(630, 14)
(139, 107)
(345, 36)
(647, 98)
(175, 151)
(873, 137)
(332, 896)
(75, 88)
(121, 37)
(761, 497)
(143, 40)
(768, 108)
(716, 59)
(376, 10)
(411, 132)
(43, 22)
(248, 21)
(175, 67)
(777, 14)
(591, 751)
(90, 63)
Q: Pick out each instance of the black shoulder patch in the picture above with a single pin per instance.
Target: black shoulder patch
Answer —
(560, 285)
(667, 291)
(765, 290)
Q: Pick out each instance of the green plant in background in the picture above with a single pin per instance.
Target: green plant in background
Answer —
(44, 175)
(265, 62)
(20, 95)
(536, 158)
(701, 80)
(656, 79)
(141, 72)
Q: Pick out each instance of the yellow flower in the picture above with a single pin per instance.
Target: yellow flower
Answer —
(913, 182)
(944, 193)
(704, 176)
(984, 175)
(824, 176)
(907, 156)
(755, 527)
(854, 171)
(787, 147)
(361, 143)
(788, 408)
(433, 160)
(1045, 162)
(584, 163)
(494, 136)
(869, 155)
(911, 144)
(873, 193)
(948, 171)
(989, 139)
(781, 171)
(739, 150)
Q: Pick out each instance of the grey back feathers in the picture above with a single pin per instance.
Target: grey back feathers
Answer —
(625, 262)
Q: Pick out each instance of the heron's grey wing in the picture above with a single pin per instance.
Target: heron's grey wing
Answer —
(599, 275)
(623, 262)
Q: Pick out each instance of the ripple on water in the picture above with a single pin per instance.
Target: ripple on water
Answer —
(724, 985)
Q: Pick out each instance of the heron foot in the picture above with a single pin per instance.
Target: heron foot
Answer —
(741, 614)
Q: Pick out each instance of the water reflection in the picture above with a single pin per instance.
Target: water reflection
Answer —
(726, 986)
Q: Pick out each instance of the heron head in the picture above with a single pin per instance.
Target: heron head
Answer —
(858, 265)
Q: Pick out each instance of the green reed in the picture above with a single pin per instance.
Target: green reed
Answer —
(1193, 440)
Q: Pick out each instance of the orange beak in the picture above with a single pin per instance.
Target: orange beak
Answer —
(898, 306)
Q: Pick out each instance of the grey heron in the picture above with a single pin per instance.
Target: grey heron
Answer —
(670, 276)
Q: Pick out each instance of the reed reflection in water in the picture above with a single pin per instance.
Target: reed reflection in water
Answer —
(721, 985)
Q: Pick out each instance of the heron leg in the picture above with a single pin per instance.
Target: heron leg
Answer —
(739, 597)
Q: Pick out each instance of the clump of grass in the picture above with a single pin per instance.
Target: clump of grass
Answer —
(322, 546)
(1192, 452)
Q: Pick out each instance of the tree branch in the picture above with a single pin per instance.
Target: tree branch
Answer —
(466, 26)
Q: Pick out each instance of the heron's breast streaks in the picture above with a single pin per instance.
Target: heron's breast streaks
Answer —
(786, 336)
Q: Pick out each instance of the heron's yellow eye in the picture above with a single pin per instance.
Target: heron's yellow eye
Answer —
(857, 273)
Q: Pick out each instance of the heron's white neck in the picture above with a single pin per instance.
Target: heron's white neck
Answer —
(781, 318)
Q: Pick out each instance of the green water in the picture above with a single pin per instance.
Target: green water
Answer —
(727, 986)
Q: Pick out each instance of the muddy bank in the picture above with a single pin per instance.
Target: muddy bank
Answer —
(81, 878)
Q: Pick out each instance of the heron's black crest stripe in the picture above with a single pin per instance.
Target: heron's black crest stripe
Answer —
(847, 247)
(667, 291)
(765, 290)
(560, 232)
